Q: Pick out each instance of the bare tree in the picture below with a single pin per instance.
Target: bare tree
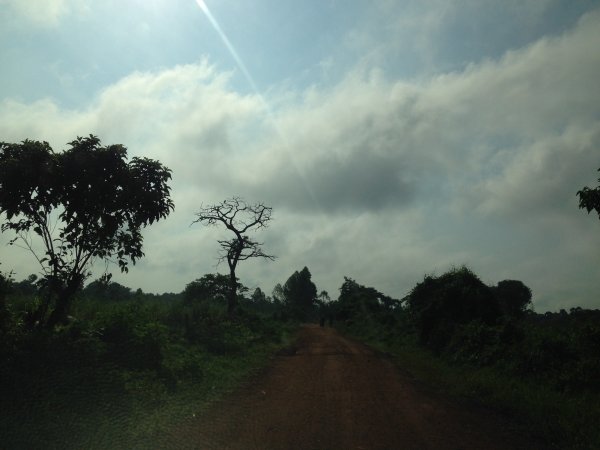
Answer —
(239, 217)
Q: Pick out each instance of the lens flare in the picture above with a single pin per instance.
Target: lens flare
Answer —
(250, 80)
(227, 43)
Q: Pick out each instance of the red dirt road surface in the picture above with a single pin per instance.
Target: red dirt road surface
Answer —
(330, 392)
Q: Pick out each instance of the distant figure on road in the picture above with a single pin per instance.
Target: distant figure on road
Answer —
(322, 321)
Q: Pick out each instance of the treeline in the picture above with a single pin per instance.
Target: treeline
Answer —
(489, 344)
(454, 315)
(457, 316)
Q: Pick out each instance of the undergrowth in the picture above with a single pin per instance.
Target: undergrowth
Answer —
(560, 418)
(122, 374)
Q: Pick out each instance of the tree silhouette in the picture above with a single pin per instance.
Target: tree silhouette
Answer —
(356, 300)
(438, 305)
(238, 217)
(300, 294)
(85, 203)
(277, 294)
(589, 199)
(210, 286)
(5, 286)
(324, 297)
(258, 296)
(514, 297)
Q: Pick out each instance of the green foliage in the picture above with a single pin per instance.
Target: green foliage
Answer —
(356, 301)
(210, 286)
(541, 368)
(101, 202)
(278, 295)
(258, 296)
(5, 287)
(104, 289)
(262, 305)
(439, 304)
(122, 372)
(27, 287)
(514, 298)
(589, 199)
(300, 295)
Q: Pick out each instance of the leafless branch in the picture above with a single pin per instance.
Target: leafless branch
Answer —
(236, 215)
(239, 217)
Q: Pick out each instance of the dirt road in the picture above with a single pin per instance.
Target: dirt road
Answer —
(333, 393)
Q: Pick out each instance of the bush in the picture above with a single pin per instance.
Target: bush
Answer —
(514, 298)
(121, 368)
(439, 304)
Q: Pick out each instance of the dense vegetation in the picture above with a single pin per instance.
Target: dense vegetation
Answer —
(128, 367)
(485, 343)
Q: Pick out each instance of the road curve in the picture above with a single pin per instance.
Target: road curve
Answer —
(330, 392)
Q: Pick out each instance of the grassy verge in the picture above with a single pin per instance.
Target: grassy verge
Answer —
(561, 420)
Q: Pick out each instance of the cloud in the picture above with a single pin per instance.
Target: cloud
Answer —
(44, 13)
(375, 178)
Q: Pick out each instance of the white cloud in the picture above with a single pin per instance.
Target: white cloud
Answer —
(377, 179)
(44, 13)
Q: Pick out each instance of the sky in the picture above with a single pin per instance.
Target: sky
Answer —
(394, 139)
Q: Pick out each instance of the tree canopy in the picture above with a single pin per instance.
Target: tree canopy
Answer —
(589, 199)
(300, 294)
(85, 203)
(210, 286)
(438, 305)
(513, 297)
(356, 299)
(104, 289)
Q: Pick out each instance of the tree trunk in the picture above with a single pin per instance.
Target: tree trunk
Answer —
(63, 304)
(37, 319)
(232, 294)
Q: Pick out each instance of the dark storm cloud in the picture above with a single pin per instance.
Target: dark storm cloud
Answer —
(361, 182)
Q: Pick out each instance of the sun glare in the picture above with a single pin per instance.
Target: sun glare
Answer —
(202, 6)
(240, 63)
(227, 43)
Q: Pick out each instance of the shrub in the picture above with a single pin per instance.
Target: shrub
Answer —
(514, 298)
(438, 304)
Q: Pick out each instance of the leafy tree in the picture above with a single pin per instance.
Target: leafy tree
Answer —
(238, 217)
(104, 289)
(27, 287)
(358, 300)
(261, 304)
(513, 296)
(5, 287)
(277, 294)
(210, 286)
(258, 296)
(589, 199)
(85, 203)
(300, 294)
(324, 297)
(439, 304)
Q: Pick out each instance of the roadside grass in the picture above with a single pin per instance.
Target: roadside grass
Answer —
(561, 420)
(124, 374)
